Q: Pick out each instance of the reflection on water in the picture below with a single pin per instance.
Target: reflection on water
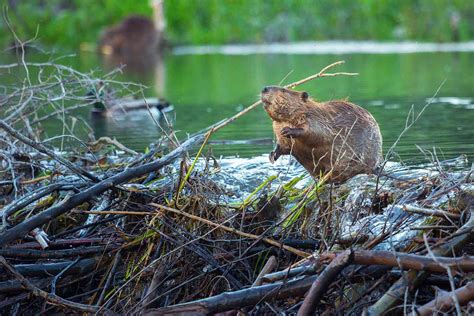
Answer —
(147, 65)
(207, 88)
(138, 125)
(329, 47)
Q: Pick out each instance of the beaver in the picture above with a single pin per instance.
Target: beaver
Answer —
(134, 36)
(335, 136)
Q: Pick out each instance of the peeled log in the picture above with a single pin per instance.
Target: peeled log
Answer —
(442, 304)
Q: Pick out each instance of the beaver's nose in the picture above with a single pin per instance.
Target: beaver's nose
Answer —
(265, 90)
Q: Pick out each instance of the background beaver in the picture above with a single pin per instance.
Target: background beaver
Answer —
(133, 36)
(335, 136)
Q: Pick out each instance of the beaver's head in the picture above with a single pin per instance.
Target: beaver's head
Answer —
(281, 104)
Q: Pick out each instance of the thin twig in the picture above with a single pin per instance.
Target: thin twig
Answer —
(233, 230)
(7, 128)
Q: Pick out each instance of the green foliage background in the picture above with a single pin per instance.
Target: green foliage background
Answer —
(68, 23)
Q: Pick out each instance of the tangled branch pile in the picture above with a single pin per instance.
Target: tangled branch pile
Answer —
(97, 230)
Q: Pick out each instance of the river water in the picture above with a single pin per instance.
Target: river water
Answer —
(208, 84)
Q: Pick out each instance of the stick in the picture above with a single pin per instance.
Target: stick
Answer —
(13, 300)
(408, 261)
(51, 298)
(116, 143)
(426, 211)
(46, 216)
(267, 268)
(109, 278)
(238, 299)
(55, 254)
(412, 278)
(14, 286)
(29, 198)
(43, 269)
(42, 149)
(321, 284)
(294, 288)
(445, 302)
(235, 231)
(429, 227)
(288, 273)
(66, 243)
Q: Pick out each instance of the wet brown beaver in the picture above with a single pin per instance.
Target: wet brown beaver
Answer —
(335, 136)
(134, 36)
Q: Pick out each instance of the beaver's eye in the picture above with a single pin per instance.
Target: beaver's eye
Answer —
(304, 96)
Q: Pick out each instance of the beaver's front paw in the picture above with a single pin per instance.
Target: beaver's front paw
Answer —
(291, 132)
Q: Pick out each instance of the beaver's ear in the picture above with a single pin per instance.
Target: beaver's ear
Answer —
(304, 96)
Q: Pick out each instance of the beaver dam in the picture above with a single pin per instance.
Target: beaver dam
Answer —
(90, 226)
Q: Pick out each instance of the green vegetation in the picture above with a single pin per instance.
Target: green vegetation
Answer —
(67, 23)
(209, 21)
(70, 23)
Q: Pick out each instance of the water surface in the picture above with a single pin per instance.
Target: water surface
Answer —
(206, 88)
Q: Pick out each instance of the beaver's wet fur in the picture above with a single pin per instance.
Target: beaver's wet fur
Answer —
(335, 136)
(134, 36)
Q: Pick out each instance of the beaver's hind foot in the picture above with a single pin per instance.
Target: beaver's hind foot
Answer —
(276, 153)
